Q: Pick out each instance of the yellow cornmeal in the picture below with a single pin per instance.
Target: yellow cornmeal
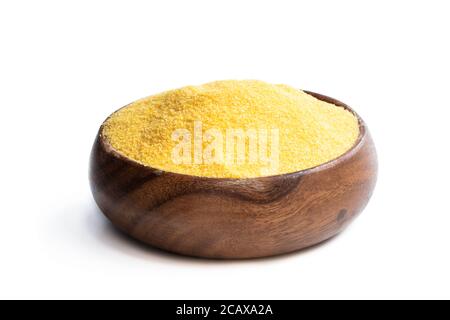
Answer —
(310, 132)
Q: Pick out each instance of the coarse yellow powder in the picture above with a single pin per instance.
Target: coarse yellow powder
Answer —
(197, 130)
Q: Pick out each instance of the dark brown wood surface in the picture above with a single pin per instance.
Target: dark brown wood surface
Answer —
(234, 218)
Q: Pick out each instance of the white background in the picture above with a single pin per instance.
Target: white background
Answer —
(66, 65)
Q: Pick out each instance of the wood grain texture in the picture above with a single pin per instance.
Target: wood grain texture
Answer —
(234, 218)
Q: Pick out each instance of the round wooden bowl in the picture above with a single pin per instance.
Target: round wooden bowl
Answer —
(234, 218)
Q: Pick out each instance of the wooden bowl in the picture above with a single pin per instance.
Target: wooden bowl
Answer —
(234, 218)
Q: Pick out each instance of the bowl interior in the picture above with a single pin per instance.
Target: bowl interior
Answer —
(362, 133)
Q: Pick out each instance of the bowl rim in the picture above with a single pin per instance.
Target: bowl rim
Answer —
(359, 142)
